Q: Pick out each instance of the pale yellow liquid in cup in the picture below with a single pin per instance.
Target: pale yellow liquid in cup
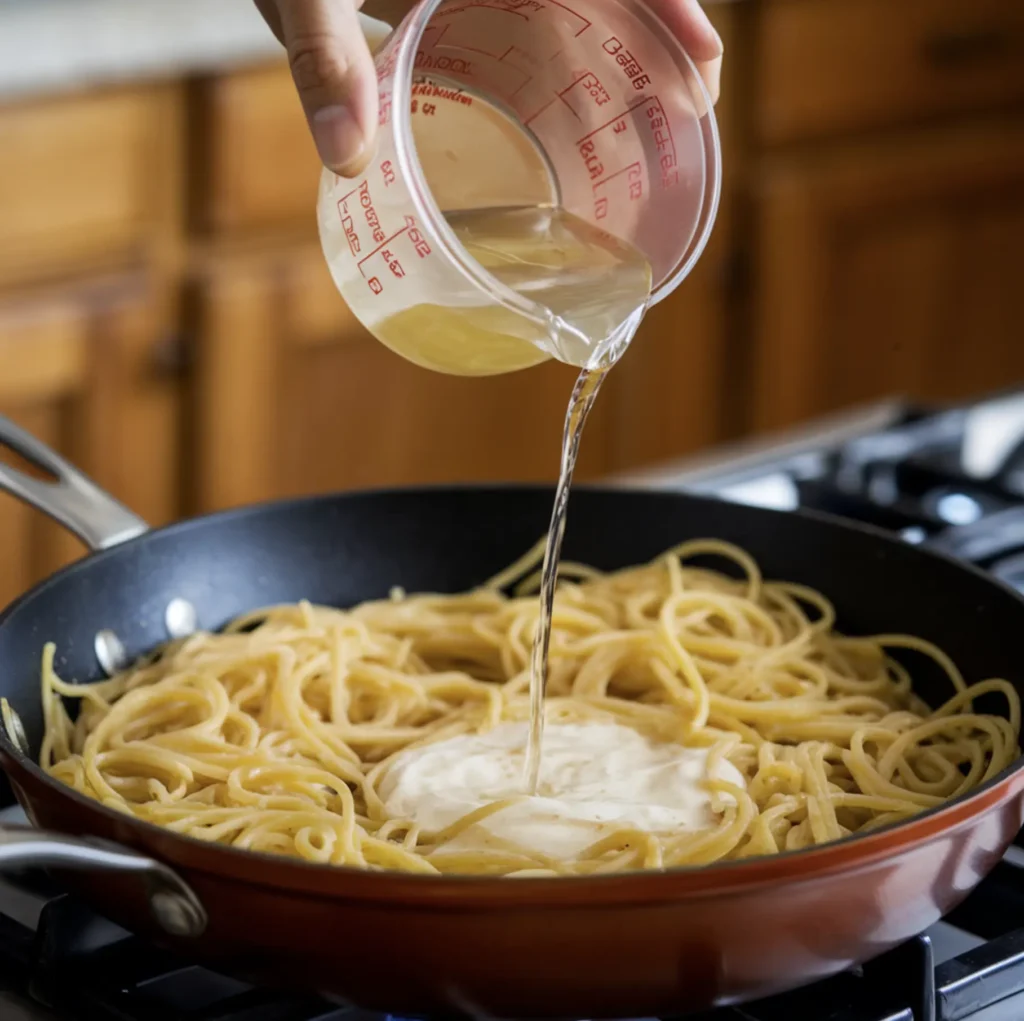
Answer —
(595, 287)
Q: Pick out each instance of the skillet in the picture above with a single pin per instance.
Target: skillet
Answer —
(634, 945)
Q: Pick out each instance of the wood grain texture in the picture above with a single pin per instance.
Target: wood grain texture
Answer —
(295, 397)
(672, 393)
(260, 167)
(830, 66)
(87, 181)
(888, 268)
(77, 370)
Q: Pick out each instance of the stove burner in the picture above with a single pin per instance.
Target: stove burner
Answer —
(81, 966)
(952, 481)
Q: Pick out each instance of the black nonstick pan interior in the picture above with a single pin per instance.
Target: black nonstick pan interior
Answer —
(339, 550)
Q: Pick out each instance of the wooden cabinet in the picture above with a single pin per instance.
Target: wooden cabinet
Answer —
(889, 268)
(261, 169)
(831, 67)
(884, 198)
(82, 368)
(89, 182)
(295, 397)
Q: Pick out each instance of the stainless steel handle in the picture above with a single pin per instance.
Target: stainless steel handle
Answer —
(71, 499)
(176, 908)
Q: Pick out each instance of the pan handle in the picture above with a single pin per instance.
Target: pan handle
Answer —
(176, 908)
(71, 498)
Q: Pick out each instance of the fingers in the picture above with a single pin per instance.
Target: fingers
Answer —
(693, 29)
(337, 82)
(711, 72)
(335, 76)
(268, 8)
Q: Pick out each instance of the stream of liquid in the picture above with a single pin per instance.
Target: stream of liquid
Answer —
(595, 289)
(580, 404)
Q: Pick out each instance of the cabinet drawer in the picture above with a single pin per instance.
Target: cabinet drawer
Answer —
(85, 181)
(260, 165)
(834, 65)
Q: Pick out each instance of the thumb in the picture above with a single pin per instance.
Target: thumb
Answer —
(336, 78)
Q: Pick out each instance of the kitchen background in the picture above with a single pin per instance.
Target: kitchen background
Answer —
(167, 320)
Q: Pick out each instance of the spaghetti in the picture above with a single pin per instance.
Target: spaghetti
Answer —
(278, 734)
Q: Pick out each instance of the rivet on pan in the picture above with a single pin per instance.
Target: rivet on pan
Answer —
(13, 726)
(181, 618)
(110, 652)
(176, 915)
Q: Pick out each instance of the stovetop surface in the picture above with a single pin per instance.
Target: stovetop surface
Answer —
(60, 961)
(950, 479)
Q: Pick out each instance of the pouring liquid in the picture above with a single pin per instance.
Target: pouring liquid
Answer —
(595, 288)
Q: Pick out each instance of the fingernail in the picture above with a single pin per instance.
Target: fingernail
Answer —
(338, 137)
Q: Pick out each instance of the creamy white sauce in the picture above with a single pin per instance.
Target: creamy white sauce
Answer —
(595, 779)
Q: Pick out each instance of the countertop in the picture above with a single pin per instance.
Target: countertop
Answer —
(51, 46)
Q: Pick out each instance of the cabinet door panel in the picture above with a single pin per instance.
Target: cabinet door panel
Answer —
(77, 370)
(88, 180)
(889, 269)
(295, 397)
(833, 66)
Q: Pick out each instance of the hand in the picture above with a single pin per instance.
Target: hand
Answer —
(337, 81)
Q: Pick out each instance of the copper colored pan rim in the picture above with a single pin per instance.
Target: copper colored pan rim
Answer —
(848, 856)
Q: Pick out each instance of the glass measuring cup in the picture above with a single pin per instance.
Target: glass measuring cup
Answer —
(586, 106)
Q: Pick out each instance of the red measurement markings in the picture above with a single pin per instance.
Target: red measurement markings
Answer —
(363, 203)
(348, 225)
(432, 91)
(442, 62)
(386, 250)
(588, 147)
(631, 67)
(587, 84)
(512, 95)
(522, 8)
(433, 34)
(547, 106)
(635, 179)
(485, 53)
(619, 122)
(579, 17)
(595, 168)
(664, 143)
(508, 7)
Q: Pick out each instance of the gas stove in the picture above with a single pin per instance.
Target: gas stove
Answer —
(950, 478)
(60, 961)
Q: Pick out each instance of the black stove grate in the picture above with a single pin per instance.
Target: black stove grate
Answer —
(913, 478)
(81, 966)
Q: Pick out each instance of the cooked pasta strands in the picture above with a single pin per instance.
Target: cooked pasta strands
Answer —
(277, 734)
